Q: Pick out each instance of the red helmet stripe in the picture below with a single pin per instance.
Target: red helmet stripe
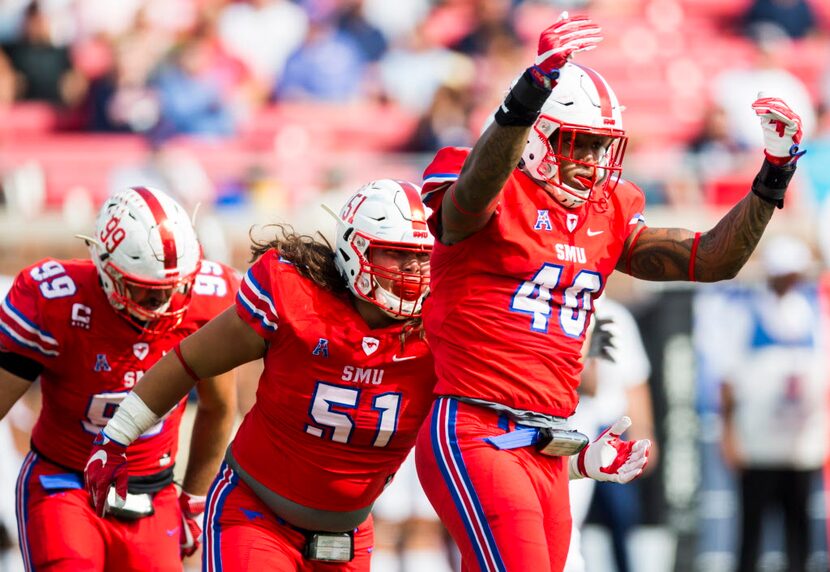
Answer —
(605, 107)
(416, 207)
(168, 241)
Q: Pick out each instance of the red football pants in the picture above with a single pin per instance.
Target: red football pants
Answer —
(59, 531)
(242, 533)
(506, 510)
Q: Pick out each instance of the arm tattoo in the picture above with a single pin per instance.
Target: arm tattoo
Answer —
(665, 253)
(468, 205)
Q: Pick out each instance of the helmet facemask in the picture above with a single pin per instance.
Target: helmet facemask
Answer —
(393, 286)
(580, 164)
(383, 247)
(581, 110)
(153, 307)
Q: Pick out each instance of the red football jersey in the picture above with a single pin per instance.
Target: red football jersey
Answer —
(58, 315)
(509, 306)
(339, 404)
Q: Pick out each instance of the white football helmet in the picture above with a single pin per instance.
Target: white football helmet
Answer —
(581, 103)
(385, 215)
(147, 256)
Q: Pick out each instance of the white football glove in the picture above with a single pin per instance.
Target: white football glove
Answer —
(782, 129)
(608, 458)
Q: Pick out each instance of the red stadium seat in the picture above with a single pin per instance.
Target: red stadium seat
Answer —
(360, 126)
(29, 118)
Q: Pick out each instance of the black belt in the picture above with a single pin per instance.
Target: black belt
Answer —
(136, 484)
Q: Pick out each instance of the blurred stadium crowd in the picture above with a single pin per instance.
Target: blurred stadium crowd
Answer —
(257, 110)
(276, 99)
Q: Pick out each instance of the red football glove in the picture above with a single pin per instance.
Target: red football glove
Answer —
(192, 507)
(782, 129)
(608, 458)
(559, 42)
(107, 466)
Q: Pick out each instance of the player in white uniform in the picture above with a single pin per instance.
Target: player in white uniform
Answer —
(774, 401)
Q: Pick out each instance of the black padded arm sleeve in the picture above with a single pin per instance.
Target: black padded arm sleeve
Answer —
(19, 365)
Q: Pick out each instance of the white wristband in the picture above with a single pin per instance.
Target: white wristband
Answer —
(131, 420)
(573, 468)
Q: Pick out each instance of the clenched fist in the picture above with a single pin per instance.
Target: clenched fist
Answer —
(782, 129)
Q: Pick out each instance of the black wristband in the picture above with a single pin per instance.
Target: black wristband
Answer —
(771, 182)
(522, 105)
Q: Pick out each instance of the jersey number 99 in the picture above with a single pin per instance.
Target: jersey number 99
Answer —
(54, 283)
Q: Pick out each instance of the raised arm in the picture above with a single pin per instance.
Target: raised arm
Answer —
(471, 201)
(718, 254)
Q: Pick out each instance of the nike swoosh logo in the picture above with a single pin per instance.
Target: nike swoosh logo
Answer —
(594, 232)
(404, 358)
(99, 456)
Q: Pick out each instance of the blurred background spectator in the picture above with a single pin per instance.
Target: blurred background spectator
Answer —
(794, 18)
(736, 87)
(43, 69)
(774, 402)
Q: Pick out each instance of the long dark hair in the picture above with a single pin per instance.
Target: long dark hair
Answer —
(312, 256)
(314, 259)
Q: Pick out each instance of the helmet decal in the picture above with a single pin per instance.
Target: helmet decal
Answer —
(602, 92)
(147, 256)
(416, 207)
(168, 242)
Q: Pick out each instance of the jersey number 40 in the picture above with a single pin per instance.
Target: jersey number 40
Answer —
(535, 297)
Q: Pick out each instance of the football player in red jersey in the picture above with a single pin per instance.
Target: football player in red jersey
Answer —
(89, 329)
(347, 383)
(529, 224)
